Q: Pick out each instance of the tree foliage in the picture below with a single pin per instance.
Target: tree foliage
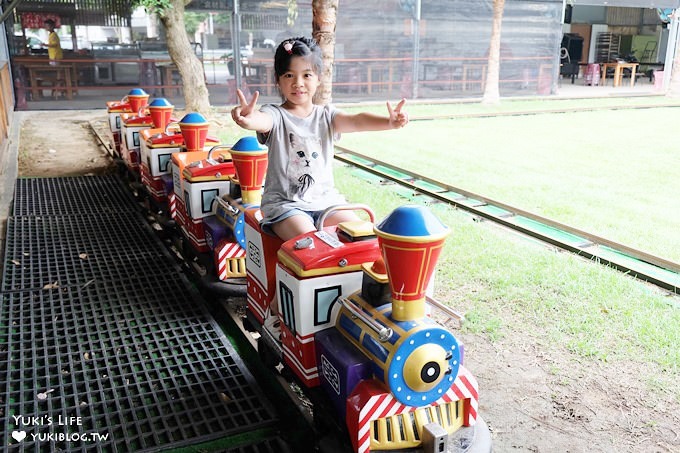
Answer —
(157, 6)
(153, 7)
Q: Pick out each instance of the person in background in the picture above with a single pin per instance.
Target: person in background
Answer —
(54, 51)
(55, 54)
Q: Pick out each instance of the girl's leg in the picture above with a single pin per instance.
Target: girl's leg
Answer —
(296, 225)
(293, 226)
(341, 216)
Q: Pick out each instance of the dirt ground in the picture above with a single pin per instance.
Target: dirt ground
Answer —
(60, 143)
(534, 396)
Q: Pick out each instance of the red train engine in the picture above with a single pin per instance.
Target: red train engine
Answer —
(352, 315)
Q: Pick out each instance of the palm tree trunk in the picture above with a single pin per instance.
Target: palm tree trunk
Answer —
(492, 90)
(324, 18)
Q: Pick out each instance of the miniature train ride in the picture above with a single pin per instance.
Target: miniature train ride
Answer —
(353, 320)
(184, 174)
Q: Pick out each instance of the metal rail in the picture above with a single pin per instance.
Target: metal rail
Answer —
(639, 264)
(384, 333)
(102, 141)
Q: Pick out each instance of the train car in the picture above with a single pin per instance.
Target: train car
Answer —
(130, 141)
(132, 102)
(187, 180)
(156, 149)
(211, 193)
(198, 179)
(225, 230)
(156, 146)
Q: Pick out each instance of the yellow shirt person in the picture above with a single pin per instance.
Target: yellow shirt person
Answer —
(54, 51)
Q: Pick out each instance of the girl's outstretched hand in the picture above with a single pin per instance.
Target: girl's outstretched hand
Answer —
(242, 114)
(398, 118)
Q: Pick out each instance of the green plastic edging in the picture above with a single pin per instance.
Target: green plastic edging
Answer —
(367, 176)
(635, 264)
(551, 232)
(357, 159)
(393, 173)
(495, 211)
(429, 186)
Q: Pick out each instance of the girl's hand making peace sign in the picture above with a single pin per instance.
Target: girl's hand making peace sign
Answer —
(398, 118)
(242, 114)
(248, 116)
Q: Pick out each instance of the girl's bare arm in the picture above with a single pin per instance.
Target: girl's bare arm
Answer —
(364, 121)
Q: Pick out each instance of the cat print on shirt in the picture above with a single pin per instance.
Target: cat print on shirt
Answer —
(303, 164)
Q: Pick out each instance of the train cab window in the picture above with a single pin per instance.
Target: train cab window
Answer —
(324, 299)
(207, 199)
(286, 306)
(164, 161)
(187, 203)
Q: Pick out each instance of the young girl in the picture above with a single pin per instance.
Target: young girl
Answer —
(300, 136)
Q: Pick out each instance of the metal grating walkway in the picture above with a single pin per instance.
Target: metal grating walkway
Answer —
(75, 195)
(72, 250)
(104, 345)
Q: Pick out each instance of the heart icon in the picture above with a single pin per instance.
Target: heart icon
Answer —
(19, 435)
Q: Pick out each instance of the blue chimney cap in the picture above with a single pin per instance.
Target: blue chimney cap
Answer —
(412, 221)
(249, 143)
(193, 118)
(160, 102)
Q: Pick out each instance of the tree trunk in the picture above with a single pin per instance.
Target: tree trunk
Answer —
(673, 89)
(492, 90)
(196, 96)
(324, 18)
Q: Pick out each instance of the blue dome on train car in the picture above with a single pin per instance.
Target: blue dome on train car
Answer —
(249, 143)
(137, 92)
(193, 118)
(160, 102)
(411, 220)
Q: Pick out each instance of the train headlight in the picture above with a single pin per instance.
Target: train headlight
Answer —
(425, 367)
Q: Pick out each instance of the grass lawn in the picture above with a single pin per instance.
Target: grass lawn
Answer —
(420, 109)
(613, 173)
(609, 172)
(504, 283)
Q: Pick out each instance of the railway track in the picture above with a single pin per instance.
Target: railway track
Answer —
(636, 263)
